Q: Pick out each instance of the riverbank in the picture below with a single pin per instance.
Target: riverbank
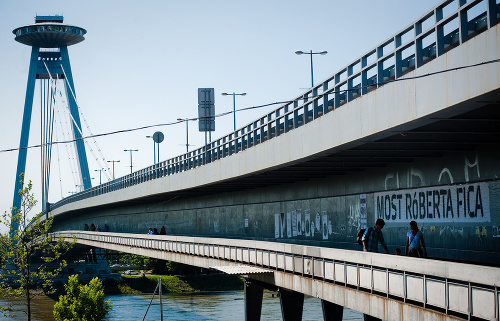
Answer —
(174, 284)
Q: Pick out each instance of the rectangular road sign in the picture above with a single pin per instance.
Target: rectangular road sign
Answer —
(206, 109)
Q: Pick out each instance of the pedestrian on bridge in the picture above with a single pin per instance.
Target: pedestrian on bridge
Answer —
(86, 227)
(92, 227)
(373, 235)
(415, 245)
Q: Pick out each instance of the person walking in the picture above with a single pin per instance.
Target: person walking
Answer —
(163, 231)
(415, 245)
(373, 235)
(92, 227)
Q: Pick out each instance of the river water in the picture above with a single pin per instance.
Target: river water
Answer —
(223, 306)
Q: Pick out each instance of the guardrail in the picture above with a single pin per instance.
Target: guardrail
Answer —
(435, 33)
(462, 290)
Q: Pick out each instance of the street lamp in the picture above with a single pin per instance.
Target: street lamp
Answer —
(130, 150)
(113, 161)
(300, 52)
(100, 172)
(187, 132)
(234, 105)
(154, 149)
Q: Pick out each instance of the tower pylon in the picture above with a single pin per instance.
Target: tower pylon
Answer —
(49, 32)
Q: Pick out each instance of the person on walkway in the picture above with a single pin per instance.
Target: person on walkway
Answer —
(92, 227)
(163, 231)
(98, 228)
(373, 235)
(415, 245)
(86, 227)
(105, 228)
(155, 231)
(150, 231)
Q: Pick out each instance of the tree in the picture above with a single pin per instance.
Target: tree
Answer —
(82, 302)
(32, 255)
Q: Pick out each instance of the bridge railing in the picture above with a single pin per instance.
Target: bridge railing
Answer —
(457, 289)
(441, 29)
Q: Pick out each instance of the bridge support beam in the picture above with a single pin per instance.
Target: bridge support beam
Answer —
(332, 311)
(292, 304)
(253, 301)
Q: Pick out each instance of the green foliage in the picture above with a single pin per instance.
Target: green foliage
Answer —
(32, 257)
(82, 302)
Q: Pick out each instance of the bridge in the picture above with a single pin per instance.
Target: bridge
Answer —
(408, 131)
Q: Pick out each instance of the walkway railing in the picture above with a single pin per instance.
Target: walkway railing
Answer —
(441, 29)
(462, 290)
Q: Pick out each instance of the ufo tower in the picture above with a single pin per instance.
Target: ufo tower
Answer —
(49, 39)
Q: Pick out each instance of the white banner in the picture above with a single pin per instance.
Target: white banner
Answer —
(440, 204)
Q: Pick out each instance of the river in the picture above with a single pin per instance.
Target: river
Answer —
(223, 306)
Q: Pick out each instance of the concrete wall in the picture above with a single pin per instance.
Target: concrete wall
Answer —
(336, 203)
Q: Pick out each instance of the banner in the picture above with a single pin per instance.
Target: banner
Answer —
(439, 204)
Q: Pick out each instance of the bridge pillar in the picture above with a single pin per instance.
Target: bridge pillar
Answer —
(253, 301)
(332, 311)
(292, 304)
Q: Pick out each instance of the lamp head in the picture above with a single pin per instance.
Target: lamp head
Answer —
(299, 52)
(244, 94)
(224, 94)
(324, 52)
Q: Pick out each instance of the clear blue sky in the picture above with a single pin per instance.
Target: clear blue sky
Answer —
(143, 61)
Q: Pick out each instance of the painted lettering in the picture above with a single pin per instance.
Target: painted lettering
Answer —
(469, 202)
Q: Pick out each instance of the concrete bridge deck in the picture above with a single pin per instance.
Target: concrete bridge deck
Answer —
(388, 287)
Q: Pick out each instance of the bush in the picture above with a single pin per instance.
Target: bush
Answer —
(82, 302)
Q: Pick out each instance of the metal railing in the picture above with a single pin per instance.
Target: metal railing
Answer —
(462, 290)
(431, 36)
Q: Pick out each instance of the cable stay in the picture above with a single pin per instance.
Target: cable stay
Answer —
(97, 159)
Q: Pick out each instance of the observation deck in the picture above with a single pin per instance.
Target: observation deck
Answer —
(49, 32)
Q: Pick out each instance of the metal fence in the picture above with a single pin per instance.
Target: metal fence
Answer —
(441, 29)
(462, 290)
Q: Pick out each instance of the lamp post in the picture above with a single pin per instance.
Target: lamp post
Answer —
(154, 149)
(130, 150)
(234, 105)
(100, 172)
(300, 52)
(187, 132)
(113, 161)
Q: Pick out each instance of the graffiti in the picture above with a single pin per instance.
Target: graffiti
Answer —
(447, 171)
(471, 165)
(415, 173)
(452, 229)
(291, 224)
(362, 211)
(495, 231)
(458, 203)
(481, 232)
(389, 177)
(307, 223)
